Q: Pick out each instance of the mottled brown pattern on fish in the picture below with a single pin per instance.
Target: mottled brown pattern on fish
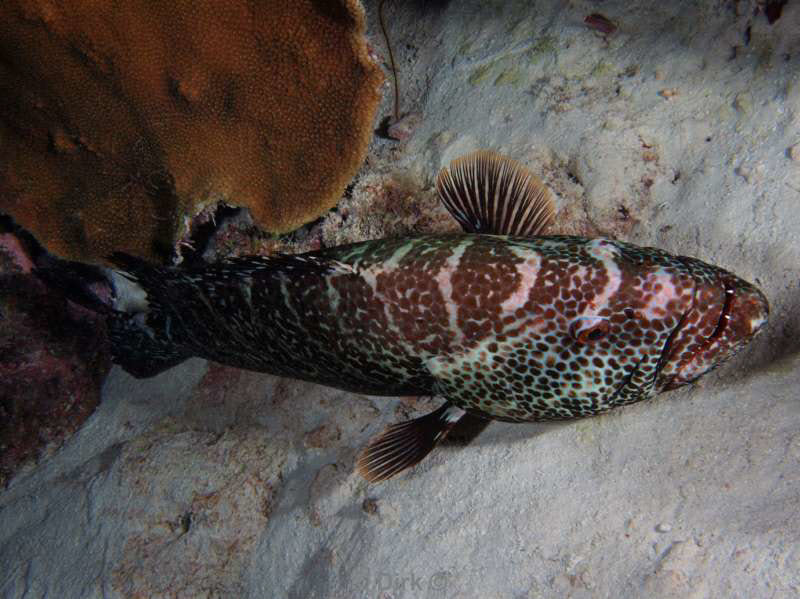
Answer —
(545, 364)
(491, 323)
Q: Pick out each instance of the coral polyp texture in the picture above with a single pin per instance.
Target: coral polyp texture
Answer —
(122, 121)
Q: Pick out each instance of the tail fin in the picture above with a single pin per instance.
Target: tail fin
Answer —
(141, 330)
(140, 339)
(141, 351)
(80, 283)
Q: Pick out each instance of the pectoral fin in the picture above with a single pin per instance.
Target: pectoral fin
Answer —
(490, 193)
(466, 430)
(405, 444)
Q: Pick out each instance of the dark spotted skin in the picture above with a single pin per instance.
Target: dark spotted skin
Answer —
(519, 329)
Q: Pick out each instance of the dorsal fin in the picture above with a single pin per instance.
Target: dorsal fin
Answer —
(294, 262)
(140, 270)
(487, 192)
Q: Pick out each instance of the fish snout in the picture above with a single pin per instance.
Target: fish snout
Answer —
(741, 312)
(749, 313)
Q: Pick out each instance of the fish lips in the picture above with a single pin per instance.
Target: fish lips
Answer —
(725, 315)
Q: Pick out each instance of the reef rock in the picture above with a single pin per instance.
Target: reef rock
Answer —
(53, 359)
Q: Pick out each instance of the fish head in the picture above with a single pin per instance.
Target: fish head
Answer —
(655, 322)
(725, 314)
(598, 324)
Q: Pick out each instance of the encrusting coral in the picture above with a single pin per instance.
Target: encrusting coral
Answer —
(121, 121)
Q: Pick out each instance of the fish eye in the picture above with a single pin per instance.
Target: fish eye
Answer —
(589, 330)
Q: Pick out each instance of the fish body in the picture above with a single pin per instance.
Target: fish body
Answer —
(492, 323)
(499, 321)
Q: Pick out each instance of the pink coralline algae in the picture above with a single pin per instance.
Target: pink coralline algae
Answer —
(53, 359)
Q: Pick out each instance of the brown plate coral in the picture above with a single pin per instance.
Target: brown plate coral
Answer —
(120, 121)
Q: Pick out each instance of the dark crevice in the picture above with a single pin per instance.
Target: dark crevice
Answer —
(201, 233)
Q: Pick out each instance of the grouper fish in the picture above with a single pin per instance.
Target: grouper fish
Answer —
(499, 322)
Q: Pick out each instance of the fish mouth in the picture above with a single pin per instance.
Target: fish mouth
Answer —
(725, 315)
(668, 352)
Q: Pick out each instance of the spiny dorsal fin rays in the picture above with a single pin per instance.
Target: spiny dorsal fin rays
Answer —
(405, 444)
(137, 269)
(487, 192)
